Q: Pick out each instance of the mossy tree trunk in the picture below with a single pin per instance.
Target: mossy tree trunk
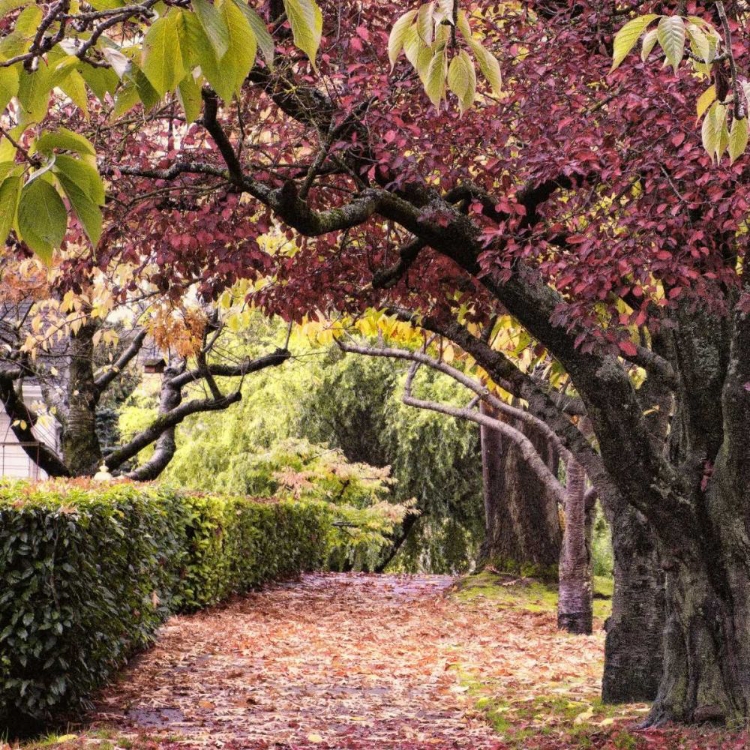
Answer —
(633, 651)
(80, 442)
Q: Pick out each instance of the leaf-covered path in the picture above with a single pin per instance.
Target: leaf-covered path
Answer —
(333, 660)
(353, 662)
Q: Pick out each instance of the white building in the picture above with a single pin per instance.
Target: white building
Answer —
(14, 459)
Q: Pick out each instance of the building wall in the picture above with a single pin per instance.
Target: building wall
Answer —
(14, 461)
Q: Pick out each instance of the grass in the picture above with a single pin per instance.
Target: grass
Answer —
(540, 712)
(528, 594)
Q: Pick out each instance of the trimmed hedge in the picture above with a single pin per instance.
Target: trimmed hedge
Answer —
(88, 573)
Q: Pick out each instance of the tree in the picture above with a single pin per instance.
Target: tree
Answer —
(79, 350)
(522, 525)
(575, 612)
(578, 202)
(350, 404)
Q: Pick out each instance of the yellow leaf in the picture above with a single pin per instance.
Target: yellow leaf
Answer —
(705, 100)
(315, 738)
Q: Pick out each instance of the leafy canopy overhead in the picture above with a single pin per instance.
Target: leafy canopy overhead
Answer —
(115, 55)
(124, 54)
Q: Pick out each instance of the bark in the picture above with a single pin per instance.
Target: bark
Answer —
(166, 444)
(633, 651)
(522, 523)
(22, 420)
(575, 601)
(406, 528)
(707, 635)
(80, 443)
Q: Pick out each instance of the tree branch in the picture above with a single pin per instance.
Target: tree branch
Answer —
(22, 420)
(524, 445)
(116, 368)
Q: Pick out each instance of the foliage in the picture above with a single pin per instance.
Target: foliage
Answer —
(352, 405)
(706, 50)
(603, 562)
(358, 494)
(433, 459)
(90, 572)
(95, 53)
(438, 41)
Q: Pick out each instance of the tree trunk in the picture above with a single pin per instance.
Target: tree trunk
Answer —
(575, 600)
(166, 444)
(633, 651)
(80, 443)
(522, 522)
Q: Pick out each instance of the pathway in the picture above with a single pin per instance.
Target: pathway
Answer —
(336, 661)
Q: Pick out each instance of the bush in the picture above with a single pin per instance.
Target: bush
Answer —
(88, 573)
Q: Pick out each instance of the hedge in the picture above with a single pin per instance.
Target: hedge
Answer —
(88, 573)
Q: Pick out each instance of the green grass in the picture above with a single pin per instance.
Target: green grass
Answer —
(528, 594)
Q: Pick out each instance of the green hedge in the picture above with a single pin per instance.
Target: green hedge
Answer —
(88, 573)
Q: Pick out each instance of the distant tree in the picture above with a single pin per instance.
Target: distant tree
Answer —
(82, 347)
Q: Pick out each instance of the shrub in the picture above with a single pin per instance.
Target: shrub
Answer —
(88, 573)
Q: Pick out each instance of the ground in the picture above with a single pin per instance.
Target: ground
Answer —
(364, 661)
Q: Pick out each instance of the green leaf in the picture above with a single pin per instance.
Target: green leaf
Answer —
(7, 149)
(61, 69)
(627, 36)
(189, 94)
(6, 167)
(202, 54)
(214, 26)
(42, 218)
(8, 6)
(34, 92)
(258, 25)
(239, 60)
(489, 66)
(700, 43)
(464, 27)
(146, 92)
(10, 190)
(436, 74)
(705, 100)
(711, 132)
(418, 53)
(85, 176)
(88, 213)
(425, 23)
(126, 98)
(64, 139)
(737, 139)
(28, 22)
(8, 85)
(162, 59)
(101, 81)
(397, 36)
(649, 42)
(672, 39)
(462, 80)
(306, 21)
(75, 88)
